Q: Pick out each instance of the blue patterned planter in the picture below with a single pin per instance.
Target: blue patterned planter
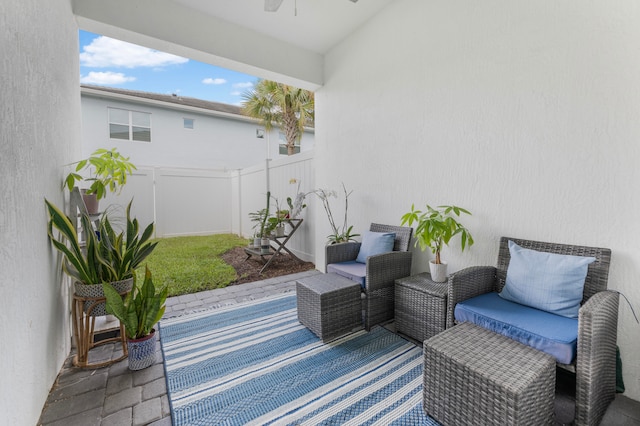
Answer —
(142, 352)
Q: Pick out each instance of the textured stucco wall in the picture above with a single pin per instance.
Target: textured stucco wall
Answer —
(39, 131)
(526, 113)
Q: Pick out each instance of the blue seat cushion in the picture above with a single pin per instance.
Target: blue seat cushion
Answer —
(550, 333)
(353, 270)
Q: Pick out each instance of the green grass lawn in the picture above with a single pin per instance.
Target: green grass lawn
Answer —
(191, 264)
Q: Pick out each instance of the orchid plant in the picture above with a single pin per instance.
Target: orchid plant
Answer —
(341, 234)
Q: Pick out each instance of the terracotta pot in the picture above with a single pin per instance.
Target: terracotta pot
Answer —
(90, 202)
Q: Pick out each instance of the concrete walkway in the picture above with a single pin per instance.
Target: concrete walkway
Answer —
(117, 396)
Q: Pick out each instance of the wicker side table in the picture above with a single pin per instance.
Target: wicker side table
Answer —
(420, 306)
(329, 305)
(473, 376)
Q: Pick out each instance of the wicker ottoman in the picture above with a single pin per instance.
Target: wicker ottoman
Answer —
(473, 376)
(329, 305)
(420, 306)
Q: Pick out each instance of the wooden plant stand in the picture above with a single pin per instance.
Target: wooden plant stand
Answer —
(84, 333)
(280, 243)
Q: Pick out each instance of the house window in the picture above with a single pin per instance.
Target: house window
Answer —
(188, 123)
(283, 150)
(129, 125)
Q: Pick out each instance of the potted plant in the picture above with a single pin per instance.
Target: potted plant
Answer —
(296, 205)
(340, 234)
(257, 218)
(104, 256)
(107, 170)
(435, 228)
(139, 312)
(265, 246)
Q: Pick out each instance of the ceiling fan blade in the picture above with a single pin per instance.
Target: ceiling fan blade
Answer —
(272, 5)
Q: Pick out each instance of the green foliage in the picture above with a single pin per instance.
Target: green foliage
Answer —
(288, 107)
(343, 237)
(436, 226)
(263, 227)
(192, 264)
(109, 171)
(140, 310)
(110, 257)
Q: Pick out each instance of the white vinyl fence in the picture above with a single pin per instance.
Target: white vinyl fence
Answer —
(203, 202)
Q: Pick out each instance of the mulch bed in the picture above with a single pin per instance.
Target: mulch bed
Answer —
(248, 270)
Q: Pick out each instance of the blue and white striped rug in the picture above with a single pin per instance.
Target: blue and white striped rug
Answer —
(256, 364)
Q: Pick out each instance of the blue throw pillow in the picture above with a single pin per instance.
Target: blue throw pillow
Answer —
(375, 243)
(546, 281)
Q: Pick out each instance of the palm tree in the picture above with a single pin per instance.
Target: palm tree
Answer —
(288, 107)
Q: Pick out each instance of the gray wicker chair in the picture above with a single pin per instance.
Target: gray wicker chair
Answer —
(595, 364)
(382, 271)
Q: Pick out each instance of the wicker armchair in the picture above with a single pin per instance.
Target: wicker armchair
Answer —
(381, 271)
(595, 363)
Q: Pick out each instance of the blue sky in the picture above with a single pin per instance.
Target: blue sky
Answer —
(109, 62)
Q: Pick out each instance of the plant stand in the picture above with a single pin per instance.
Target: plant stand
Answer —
(84, 333)
(280, 242)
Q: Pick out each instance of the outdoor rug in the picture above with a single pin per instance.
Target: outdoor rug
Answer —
(254, 363)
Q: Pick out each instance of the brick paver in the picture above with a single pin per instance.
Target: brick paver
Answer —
(115, 395)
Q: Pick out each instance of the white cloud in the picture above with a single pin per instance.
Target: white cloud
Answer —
(243, 85)
(215, 81)
(105, 78)
(107, 52)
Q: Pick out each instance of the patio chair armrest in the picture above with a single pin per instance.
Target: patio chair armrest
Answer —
(383, 269)
(596, 356)
(341, 252)
(467, 283)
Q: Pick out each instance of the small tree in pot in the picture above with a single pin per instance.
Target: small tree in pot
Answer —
(139, 312)
(108, 170)
(435, 228)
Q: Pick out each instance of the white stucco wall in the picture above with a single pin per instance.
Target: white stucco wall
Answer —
(526, 113)
(214, 143)
(39, 131)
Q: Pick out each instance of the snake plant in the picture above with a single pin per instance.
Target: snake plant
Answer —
(106, 256)
(140, 310)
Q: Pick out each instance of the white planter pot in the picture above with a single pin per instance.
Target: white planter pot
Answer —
(438, 271)
(265, 246)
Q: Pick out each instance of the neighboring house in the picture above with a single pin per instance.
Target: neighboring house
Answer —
(174, 131)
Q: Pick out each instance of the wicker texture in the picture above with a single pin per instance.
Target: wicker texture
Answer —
(329, 305)
(381, 273)
(420, 306)
(597, 320)
(473, 376)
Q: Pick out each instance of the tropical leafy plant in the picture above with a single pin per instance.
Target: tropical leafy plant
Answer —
(275, 103)
(436, 226)
(108, 171)
(106, 256)
(140, 310)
